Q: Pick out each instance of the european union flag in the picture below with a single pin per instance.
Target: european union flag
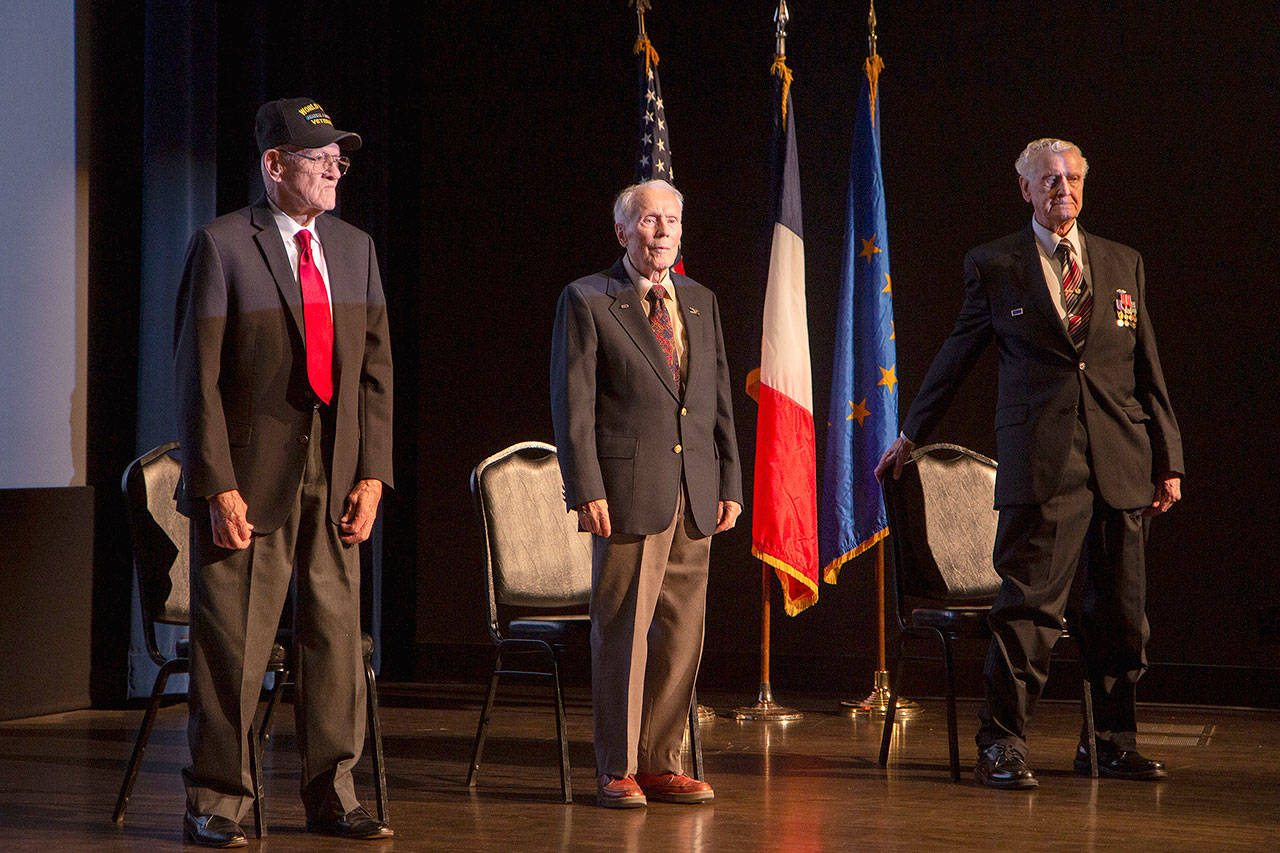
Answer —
(863, 417)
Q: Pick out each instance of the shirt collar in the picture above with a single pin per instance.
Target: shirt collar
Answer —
(643, 284)
(1049, 241)
(289, 226)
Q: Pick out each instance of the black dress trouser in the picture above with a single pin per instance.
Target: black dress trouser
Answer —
(1039, 550)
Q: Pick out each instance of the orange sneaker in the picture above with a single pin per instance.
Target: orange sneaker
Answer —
(618, 793)
(674, 788)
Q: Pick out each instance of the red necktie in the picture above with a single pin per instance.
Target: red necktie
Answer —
(316, 321)
(660, 320)
(1075, 295)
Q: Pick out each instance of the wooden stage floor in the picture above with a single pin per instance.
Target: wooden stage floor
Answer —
(807, 786)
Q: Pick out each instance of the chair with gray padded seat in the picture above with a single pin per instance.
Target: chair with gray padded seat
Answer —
(536, 560)
(161, 563)
(943, 529)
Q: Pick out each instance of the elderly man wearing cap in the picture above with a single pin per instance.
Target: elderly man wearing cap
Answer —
(283, 371)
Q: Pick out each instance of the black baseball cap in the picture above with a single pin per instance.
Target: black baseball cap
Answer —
(301, 122)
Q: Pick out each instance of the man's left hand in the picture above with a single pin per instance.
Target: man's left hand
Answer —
(361, 510)
(728, 515)
(1168, 492)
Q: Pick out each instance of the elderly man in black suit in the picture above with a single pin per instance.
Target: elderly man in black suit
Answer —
(283, 369)
(644, 426)
(1089, 450)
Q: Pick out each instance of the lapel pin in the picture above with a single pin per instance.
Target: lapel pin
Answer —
(1016, 312)
(624, 305)
(695, 311)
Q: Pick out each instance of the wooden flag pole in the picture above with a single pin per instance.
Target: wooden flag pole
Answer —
(877, 701)
(765, 708)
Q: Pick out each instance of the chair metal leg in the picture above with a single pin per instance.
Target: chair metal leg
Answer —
(278, 681)
(487, 709)
(952, 737)
(886, 734)
(144, 734)
(1091, 733)
(255, 772)
(566, 785)
(695, 738)
(375, 735)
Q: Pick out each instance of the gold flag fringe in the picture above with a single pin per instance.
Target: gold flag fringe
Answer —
(792, 606)
(831, 572)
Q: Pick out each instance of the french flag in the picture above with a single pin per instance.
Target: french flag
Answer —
(784, 527)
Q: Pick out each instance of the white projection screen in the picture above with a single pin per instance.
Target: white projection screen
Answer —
(43, 252)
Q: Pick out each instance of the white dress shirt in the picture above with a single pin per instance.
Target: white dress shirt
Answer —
(1047, 242)
(289, 229)
(643, 286)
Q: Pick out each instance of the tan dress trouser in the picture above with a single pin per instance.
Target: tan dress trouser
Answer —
(648, 601)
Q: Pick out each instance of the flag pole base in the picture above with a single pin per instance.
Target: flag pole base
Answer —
(766, 709)
(876, 704)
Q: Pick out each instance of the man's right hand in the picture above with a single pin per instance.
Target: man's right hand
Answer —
(895, 457)
(594, 517)
(228, 513)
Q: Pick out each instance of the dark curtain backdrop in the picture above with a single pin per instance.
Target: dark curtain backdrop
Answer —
(179, 182)
(497, 133)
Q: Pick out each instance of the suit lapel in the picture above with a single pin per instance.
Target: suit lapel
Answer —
(1091, 265)
(695, 311)
(1036, 288)
(630, 314)
(272, 248)
(343, 278)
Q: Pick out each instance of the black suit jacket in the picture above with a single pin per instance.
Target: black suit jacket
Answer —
(244, 402)
(623, 431)
(1115, 377)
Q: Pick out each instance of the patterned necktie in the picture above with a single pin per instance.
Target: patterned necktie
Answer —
(660, 320)
(316, 321)
(1076, 297)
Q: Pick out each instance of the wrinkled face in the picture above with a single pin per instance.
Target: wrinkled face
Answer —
(305, 187)
(1055, 189)
(653, 238)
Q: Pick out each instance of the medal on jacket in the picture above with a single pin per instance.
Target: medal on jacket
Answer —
(1126, 310)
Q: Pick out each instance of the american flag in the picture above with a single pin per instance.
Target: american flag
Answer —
(654, 159)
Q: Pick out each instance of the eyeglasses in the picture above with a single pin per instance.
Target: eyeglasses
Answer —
(325, 161)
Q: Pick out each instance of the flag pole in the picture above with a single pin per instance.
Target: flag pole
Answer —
(645, 49)
(876, 703)
(765, 708)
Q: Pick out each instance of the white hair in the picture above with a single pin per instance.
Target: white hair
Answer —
(1026, 160)
(624, 206)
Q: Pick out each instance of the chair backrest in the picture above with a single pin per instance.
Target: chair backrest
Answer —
(535, 555)
(160, 540)
(943, 526)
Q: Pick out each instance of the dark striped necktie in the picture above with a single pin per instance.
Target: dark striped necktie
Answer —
(1076, 297)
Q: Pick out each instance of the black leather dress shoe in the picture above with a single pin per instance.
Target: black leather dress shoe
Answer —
(356, 824)
(212, 830)
(1000, 766)
(1119, 763)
